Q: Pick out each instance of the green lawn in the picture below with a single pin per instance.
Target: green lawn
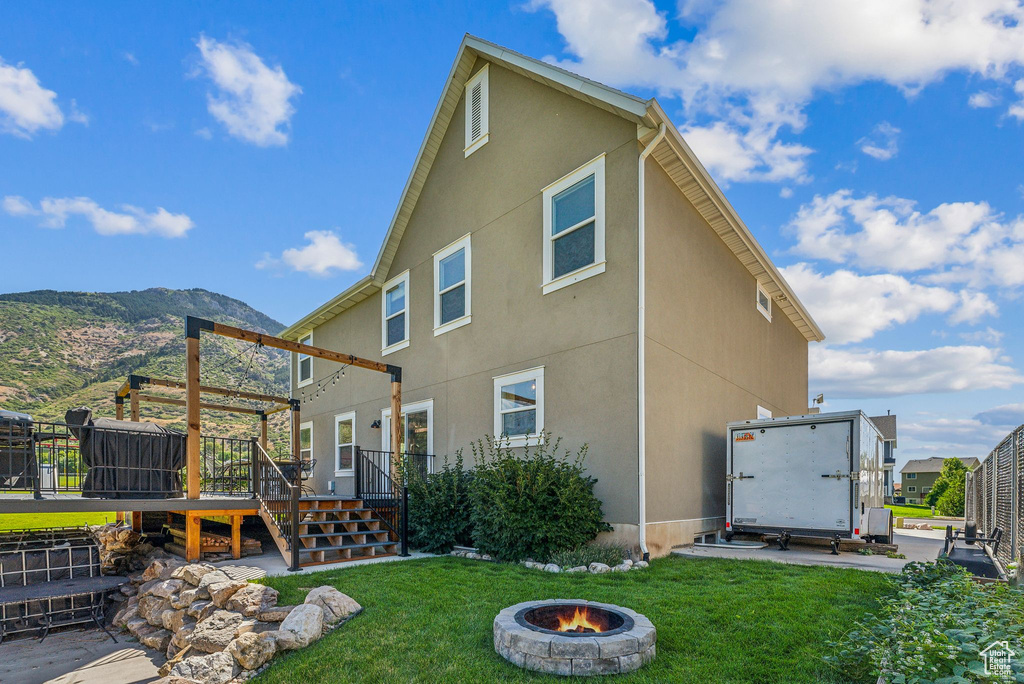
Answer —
(911, 511)
(31, 521)
(430, 620)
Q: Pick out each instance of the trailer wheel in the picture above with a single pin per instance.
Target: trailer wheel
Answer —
(729, 535)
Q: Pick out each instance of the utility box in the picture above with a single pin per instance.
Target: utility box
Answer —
(815, 475)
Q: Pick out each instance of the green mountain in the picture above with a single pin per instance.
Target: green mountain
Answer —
(59, 350)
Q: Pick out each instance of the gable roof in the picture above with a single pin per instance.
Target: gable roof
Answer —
(887, 426)
(934, 464)
(672, 153)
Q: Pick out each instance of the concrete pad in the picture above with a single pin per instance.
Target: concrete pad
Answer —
(77, 657)
(272, 563)
(917, 545)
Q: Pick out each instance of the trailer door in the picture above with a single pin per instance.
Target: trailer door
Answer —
(792, 477)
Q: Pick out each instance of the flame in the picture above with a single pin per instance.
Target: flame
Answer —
(579, 622)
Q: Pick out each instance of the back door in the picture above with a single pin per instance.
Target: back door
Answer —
(792, 477)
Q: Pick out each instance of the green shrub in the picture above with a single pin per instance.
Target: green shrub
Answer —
(439, 508)
(932, 628)
(585, 554)
(531, 503)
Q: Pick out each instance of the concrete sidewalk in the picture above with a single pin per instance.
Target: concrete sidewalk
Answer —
(916, 545)
(77, 657)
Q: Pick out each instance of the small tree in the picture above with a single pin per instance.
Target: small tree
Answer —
(947, 495)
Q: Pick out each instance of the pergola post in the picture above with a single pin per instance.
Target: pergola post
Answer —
(133, 398)
(119, 407)
(192, 398)
(396, 420)
(263, 430)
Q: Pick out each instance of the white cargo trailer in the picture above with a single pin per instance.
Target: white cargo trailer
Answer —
(816, 475)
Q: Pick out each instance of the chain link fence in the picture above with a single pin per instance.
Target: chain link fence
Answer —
(995, 495)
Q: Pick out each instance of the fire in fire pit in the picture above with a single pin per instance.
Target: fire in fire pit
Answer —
(574, 618)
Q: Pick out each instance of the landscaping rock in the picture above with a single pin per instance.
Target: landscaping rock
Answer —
(128, 589)
(201, 610)
(150, 608)
(533, 565)
(180, 638)
(252, 599)
(166, 588)
(220, 592)
(213, 577)
(599, 568)
(154, 637)
(146, 586)
(174, 619)
(215, 632)
(174, 679)
(627, 561)
(185, 598)
(252, 650)
(275, 614)
(578, 568)
(193, 572)
(216, 668)
(336, 606)
(305, 624)
(641, 564)
(551, 567)
(160, 569)
(485, 556)
(621, 567)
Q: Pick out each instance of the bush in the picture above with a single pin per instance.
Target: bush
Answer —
(585, 554)
(439, 508)
(933, 628)
(531, 503)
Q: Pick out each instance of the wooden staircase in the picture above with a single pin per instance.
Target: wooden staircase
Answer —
(333, 529)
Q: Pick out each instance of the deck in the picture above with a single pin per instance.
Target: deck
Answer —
(75, 503)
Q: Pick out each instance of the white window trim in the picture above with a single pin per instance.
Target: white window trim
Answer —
(385, 424)
(402, 277)
(462, 243)
(911, 476)
(767, 313)
(338, 470)
(762, 412)
(911, 488)
(536, 374)
(593, 167)
(303, 426)
(300, 357)
(483, 78)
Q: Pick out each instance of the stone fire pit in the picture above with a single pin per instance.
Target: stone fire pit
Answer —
(569, 637)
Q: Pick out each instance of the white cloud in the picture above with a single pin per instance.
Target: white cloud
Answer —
(973, 307)
(254, 101)
(953, 431)
(1007, 415)
(25, 105)
(324, 254)
(881, 143)
(763, 61)
(852, 308)
(204, 133)
(1016, 110)
(785, 193)
(987, 336)
(130, 58)
(965, 242)
(982, 99)
(54, 212)
(850, 373)
(734, 154)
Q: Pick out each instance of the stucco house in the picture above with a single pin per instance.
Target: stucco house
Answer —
(887, 427)
(560, 261)
(919, 475)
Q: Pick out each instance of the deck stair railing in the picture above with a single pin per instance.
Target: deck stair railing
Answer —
(387, 497)
(279, 499)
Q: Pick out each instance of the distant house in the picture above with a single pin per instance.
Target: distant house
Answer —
(919, 476)
(887, 426)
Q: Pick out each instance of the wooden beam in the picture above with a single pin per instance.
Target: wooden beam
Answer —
(137, 521)
(236, 536)
(222, 391)
(119, 408)
(133, 397)
(218, 512)
(152, 398)
(193, 445)
(122, 391)
(276, 409)
(288, 345)
(396, 427)
(263, 432)
(192, 538)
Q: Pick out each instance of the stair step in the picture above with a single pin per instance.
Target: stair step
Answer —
(320, 549)
(328, 497)
(336, 510)
(338, 534)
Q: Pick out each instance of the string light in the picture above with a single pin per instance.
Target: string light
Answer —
(322, 384)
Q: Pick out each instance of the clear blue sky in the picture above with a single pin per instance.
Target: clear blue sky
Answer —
(258, 150)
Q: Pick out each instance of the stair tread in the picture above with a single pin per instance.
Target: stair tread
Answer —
(335, 510)
(327, 497)
(338, 534)
(313, 549)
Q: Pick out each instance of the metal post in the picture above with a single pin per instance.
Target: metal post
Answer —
(405, 520)
(295, 528)
(359, 473)
(254, 464)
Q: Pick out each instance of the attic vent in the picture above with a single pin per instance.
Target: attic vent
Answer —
(476, 112)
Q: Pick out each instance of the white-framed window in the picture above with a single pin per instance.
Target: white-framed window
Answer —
(477, 128)
(911, 476)
(925, 490)
(764, 302)
(911, 488)
(417, 428)
(344, 443)
(306, 441)
(762, 412)
(519, 406)
(305, 362)
(394, 314)
(453, 281)
(574, 227)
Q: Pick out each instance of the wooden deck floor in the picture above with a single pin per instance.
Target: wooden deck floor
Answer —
(75, 503)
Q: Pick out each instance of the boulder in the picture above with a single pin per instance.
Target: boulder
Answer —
(578, 568)
(201, 610)
(335, 605)
(161, 568)
(193, 572)
(641, 564)
(150, 608)
(599, 568)
(129, 611)
(215, 632)
(304, 625)
(622, 567)
(174, 619)
(174, 679)
(216, 668)
(146, 586)
(252, 599)
(551, 567)
(275, 614)
(220, 592)
(252, 650)
(212, 578)
(185, 598)
(155, 637)
(180, 638)
(166, 588)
